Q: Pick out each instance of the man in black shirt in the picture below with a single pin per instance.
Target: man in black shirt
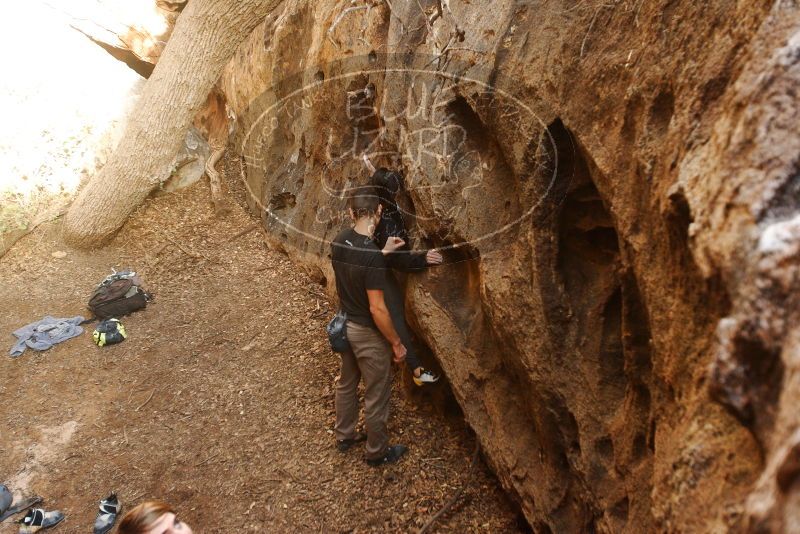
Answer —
(360, 270)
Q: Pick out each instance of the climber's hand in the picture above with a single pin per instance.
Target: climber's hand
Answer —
(399, 351)
(434, 257)
(392, 244)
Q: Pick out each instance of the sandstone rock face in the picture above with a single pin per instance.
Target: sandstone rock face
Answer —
(615, 188)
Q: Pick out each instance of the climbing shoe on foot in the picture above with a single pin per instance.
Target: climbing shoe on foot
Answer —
(344, 445)
(36, 519)
(425, 377)
(392, 455)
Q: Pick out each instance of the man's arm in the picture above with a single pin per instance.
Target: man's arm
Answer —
(406, 261)
(400, 259)
(397, 257)
(380, 314)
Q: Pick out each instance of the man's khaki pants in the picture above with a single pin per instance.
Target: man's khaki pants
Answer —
(372, 359)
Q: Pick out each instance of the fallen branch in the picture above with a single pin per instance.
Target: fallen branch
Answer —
(237, 235)
(185, 251)
(455, 497)
(145, 402)
(207, 460)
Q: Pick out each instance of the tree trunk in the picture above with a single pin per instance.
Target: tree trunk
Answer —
(205, 37)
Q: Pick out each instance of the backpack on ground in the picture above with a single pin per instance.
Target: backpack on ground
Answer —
(109, 332)
(119, 294)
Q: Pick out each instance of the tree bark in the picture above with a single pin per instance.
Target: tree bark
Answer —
(205, 37)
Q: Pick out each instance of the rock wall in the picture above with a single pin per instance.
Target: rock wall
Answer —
(615, 188)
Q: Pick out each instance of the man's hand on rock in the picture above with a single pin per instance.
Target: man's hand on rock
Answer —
(399, 351)
(434, 257)
(392, 245)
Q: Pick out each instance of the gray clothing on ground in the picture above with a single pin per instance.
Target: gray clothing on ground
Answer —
(43, 334)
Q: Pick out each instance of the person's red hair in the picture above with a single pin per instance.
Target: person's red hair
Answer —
(142, 517)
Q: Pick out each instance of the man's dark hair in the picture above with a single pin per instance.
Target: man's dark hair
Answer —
(387, 183)
(364, 201)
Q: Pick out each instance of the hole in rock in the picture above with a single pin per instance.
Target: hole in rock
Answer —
(282, 201)
(612, 358)
(661, 113)
(462, 114)
(679, 217)
(714, 88)
(564, 420)
(639, 447)
(786, 201)
(605, 448)
(555, 162)
(752, 398)
(651, 437)
(620, 509)
(522, 524)
(633, 111)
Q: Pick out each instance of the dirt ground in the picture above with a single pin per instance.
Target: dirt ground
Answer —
(221, 400)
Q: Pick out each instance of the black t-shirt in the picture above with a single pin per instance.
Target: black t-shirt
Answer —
(358, 265)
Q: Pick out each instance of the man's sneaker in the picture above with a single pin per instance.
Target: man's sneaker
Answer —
(425, 377)
(392, 455)
(344, 445)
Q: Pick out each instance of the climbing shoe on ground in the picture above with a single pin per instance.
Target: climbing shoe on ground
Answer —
(425, 377)
(36, 519)
(392, 455)
(344, 445)
(110, 507)
(5, 499)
